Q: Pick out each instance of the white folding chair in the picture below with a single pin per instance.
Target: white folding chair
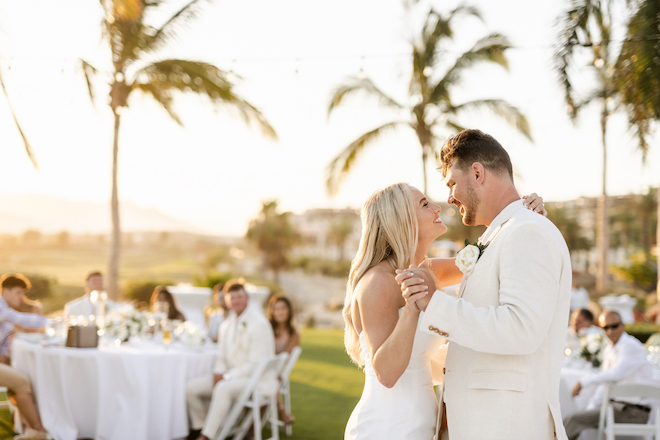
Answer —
(246, 411)
(285, 389)
(606, 422)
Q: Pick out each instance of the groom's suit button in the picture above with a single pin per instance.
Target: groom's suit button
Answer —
(433, 329)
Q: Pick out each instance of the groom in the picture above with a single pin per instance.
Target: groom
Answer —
(507, 328)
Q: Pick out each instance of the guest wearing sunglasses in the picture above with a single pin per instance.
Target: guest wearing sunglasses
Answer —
(624, 361)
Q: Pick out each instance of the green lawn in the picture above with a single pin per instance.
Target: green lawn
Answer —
(325, 386)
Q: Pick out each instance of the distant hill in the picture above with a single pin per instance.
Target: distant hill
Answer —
(51, 214)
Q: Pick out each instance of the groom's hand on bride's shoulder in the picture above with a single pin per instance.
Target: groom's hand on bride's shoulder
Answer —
(417, 286)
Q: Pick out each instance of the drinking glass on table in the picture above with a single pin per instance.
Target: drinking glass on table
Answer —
(167, 331)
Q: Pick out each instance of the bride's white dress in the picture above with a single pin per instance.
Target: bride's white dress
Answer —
(408, 410)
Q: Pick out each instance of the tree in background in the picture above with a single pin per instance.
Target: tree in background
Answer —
(274, 236)
(638, 77)
(587, 25)
(433, 112)
(338, 235)
(570, 228)
(134, 43)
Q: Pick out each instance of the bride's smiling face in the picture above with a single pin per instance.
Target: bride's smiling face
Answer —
(429, 224)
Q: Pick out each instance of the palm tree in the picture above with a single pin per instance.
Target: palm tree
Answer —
(587, 23)
(638, 77)
(28, 148)
(133, 44)
(274, 235)
(432, 114)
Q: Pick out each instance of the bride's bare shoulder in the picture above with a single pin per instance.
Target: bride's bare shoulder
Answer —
(378, 282)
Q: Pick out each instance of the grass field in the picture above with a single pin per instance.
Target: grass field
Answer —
(325, 387)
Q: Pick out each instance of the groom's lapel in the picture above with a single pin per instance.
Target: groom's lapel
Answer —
(462, 288)
(490, 240)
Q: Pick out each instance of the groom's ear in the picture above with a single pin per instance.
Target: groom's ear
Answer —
(478, 173)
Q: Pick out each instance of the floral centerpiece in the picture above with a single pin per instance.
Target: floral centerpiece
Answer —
(591, 348)
(192, 335)
(125, 321)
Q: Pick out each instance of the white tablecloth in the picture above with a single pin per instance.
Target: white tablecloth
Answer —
(113, 393)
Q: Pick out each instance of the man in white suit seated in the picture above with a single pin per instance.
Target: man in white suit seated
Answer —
(624, 361)
(83, 306)
(245, 339)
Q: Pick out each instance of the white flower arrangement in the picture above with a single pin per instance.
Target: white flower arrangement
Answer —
(125, 321)
(192, 335)
(591, 348)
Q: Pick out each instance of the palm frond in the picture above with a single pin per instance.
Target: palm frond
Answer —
(573, 29)
(201, 78)
(163, 96)
(28, 148)
(354, 85)
(173, 25)
(488, 49)
(503, 109)
(89, 71)
(340, 165)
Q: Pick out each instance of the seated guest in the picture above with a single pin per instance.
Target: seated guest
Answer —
(245, 339)
(83, 305)
(219, 314)
(18, 384)
(280, 315)
(164, 298)
(581, 324)
(624, 361)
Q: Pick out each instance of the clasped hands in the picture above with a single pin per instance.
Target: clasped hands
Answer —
(417, 286)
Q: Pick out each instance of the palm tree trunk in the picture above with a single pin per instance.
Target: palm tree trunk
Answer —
(602, 223)
(657, 245)
(115, 248)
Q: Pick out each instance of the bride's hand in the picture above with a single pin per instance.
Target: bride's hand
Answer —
(535, 202)
(415, 287)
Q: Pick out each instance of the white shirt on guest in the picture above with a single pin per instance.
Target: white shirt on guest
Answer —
(623, 362)
(83, 306)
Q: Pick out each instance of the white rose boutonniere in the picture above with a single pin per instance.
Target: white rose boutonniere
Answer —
(467, 257)
(243, 328)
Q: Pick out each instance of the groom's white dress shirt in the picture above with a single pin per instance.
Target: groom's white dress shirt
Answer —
(506, 332)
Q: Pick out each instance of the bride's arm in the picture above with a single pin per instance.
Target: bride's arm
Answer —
(389, 336)
(444, 270)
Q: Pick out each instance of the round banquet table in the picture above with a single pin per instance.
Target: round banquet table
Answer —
(114, 392)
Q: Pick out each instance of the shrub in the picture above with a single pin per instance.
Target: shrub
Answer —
(41, 286)
(641, 272)
(212, 278)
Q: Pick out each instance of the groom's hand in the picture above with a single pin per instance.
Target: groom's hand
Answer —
(417, 286)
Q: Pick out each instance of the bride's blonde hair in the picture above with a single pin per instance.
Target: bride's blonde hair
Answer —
(389, 233)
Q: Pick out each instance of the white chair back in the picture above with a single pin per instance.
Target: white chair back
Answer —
(606, 422)
(251, 399)
(285, 388)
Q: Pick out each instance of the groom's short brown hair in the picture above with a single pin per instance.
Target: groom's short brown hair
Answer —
(470, 146)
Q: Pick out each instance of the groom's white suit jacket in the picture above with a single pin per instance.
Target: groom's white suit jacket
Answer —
(506, 333)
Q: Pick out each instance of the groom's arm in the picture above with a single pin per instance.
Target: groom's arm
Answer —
(530, 268)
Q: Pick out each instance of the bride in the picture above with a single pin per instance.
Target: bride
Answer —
(398, 401)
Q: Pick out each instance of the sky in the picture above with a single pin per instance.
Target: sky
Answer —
(214, 172)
